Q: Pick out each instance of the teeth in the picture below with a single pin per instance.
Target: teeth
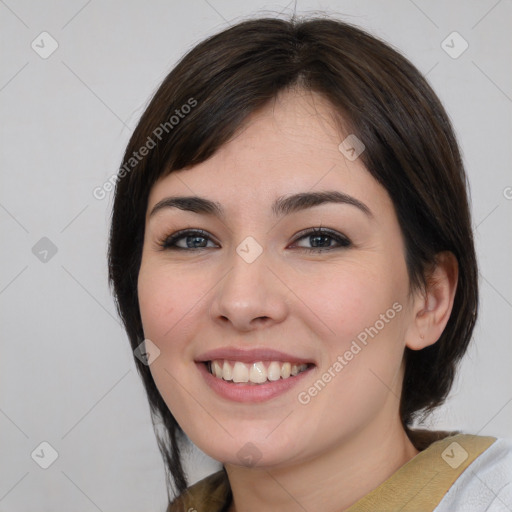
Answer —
(286, 370)
(240, 372)
(256, 373)
(274, 371)
(217, 369)
(227, 373)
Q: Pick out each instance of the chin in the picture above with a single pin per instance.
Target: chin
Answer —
(253, 447)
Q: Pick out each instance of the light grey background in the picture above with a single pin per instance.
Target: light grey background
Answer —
(66, 370)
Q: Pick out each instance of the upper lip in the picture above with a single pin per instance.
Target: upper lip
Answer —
(250, 356)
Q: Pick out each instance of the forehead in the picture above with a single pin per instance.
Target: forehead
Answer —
(290, 146)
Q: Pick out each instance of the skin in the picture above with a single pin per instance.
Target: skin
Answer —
(348, 438)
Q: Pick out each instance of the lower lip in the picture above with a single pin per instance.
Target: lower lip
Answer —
(241, 392)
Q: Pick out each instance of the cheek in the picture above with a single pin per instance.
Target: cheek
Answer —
(165, 296)
(170, 305)
(168, 301)
(351, 298)
(363, 311)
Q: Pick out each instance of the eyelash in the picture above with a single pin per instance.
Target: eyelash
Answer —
(168, 243)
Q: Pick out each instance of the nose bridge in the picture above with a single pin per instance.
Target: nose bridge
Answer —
(249, 291)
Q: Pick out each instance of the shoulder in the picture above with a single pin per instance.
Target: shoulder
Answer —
(431, 480)
(212, 494)
(486, 483)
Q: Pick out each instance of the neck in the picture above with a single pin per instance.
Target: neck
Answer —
(335, 479)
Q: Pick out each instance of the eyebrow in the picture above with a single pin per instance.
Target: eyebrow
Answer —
(283, 205)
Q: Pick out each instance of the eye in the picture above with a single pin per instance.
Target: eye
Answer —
(321, 239)
(187, 239)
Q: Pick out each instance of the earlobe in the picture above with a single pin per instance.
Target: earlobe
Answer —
(433, 305)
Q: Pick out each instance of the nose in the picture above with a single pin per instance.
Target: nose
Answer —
(250, 296)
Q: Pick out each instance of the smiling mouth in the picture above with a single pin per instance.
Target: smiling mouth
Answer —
(259, 372)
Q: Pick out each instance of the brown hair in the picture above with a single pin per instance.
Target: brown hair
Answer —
(410, 149)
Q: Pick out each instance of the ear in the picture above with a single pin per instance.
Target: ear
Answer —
(432, 306)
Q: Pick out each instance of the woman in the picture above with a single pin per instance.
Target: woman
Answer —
(292, 256)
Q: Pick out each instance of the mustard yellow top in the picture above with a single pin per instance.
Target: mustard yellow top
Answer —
(417, 486)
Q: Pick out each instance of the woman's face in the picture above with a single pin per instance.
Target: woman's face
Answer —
(256, 297)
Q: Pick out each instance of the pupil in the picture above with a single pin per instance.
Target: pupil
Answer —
(315, 238)
(195, 241)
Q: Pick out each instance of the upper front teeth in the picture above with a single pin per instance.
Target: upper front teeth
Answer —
(256, 373)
